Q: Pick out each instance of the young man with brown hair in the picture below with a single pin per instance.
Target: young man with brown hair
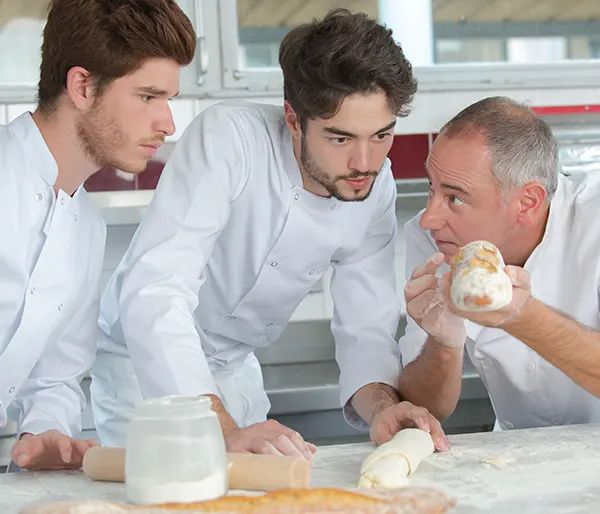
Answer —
(255, 204)
(108, 69)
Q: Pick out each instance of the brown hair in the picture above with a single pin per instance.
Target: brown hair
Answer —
(110, 39)
(343, 54)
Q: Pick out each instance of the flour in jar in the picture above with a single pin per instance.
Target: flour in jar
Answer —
(151, 492)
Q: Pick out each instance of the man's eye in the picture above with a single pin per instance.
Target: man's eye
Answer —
(338, 140)
(456, 200)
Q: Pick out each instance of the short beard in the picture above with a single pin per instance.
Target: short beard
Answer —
(100, 136)
(316, 173)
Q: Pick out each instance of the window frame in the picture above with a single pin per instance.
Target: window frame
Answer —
(437, 78)
(201, 76)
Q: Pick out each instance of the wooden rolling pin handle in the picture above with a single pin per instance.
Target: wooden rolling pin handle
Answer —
(247, 471)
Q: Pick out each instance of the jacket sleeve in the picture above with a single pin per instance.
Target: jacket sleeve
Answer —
(170, 251)
(418, 248)
(367, 308)
(51, 397)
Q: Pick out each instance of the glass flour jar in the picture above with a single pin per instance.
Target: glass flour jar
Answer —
(175, 452)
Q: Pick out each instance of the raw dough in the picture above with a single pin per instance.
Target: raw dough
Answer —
(479, 282)
(390, 464)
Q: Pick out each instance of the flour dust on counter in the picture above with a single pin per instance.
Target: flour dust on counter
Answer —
(77, 507)
(537, 471)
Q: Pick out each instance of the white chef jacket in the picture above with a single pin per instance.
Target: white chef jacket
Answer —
(51, 252)
(231, 244)
(525, 389)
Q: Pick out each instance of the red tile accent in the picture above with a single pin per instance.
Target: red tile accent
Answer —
(408, 155)
(149, 178)
(108, 179)
(566, 109)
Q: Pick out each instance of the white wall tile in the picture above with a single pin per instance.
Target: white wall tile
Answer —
(15, 110)
(183, 114)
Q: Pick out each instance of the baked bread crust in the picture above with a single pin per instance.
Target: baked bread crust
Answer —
(408, 500)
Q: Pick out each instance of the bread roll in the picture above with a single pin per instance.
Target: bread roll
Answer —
(478, 279)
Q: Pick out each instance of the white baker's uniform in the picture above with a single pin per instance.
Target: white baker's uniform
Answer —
(525, 389)
(51, 253)
(229, 247)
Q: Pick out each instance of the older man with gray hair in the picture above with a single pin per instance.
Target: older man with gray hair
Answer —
(494, 175)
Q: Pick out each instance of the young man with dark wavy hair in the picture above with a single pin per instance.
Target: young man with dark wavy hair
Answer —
(255, 204)
(108, 69)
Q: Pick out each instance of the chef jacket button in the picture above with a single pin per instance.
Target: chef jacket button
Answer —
(11, 390)
(508, 425)
(311, 272)
(274, 264)
(32, 290)
(333, 207)
(296, 196)
(39, 197)
(269, 325)
(75, 217)
(60, 306)
(62, 201)
(530, 366)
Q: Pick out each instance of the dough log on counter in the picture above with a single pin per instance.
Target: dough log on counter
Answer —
(478, 280)
(390, 464)
(306, 501)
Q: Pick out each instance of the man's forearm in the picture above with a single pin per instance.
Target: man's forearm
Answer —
(371, 399)
(227, 422)
(561, 340)
(434, 379)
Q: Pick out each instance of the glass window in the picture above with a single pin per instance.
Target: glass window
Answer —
(440, 31)
(449, 51)
(21, 26)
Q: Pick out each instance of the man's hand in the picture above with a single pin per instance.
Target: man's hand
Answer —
(269, 437)
(427, 306)
(50, 450)
(387, 423)
(498, 318)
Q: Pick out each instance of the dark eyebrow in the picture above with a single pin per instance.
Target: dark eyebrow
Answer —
(451, 187)
(149, 90)
(340, 132)
(390, 126)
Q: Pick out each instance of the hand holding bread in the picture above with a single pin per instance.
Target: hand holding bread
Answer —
(426, 306)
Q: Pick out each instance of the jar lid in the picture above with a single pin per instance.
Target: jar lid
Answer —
(174, 407)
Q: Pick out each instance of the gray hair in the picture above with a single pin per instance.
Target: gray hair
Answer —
(522, 146)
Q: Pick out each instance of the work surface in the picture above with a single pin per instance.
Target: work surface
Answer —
(549, 470)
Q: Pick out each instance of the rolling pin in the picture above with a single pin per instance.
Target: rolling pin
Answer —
(247, 471)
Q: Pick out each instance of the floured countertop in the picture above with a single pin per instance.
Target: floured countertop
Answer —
(548, 470)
